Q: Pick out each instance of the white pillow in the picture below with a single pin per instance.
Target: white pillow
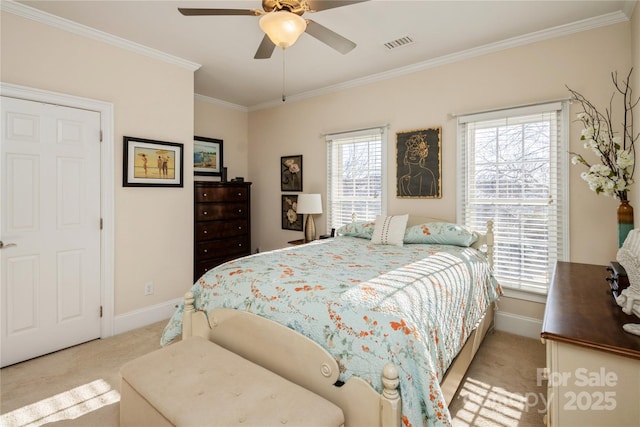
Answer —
(389, 230)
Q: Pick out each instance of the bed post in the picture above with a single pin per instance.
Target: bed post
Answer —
(390, 404)
(489, 240)
(188, 311)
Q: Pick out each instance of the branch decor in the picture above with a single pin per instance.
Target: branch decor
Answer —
(613, 176)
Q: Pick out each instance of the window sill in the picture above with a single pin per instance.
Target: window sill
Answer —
(524, 295)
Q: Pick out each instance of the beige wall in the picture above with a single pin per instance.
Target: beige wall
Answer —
(527, 74)
(215, 120)
(635, 56)
(152, 99)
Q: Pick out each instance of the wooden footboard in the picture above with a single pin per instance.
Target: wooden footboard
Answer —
(304, 362)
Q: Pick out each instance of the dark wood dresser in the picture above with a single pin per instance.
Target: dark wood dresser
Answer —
(593, 365)
(222, 228)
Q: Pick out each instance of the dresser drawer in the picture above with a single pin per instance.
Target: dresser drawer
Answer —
(212, 211)
(217, 248)
(216, 194)
(203, 266)
(221, 229)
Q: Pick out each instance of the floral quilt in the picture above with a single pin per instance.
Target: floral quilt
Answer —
(414, 305)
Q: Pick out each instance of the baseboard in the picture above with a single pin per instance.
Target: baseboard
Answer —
(518, 325)
(145, 316)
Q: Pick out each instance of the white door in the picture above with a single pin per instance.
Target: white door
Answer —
(50, 228)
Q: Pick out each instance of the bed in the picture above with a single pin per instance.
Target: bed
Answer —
(396, 325)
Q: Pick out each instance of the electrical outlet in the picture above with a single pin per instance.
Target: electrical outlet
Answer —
(148, 288)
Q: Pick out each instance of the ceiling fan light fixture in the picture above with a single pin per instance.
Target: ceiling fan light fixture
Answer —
(283, 27)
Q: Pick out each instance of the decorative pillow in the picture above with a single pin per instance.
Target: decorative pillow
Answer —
(357, 229)
(444, 233)
(389, 230)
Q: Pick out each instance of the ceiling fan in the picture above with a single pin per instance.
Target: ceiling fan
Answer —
(282, 22)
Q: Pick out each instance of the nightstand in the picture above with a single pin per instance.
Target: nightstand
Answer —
(297, 242)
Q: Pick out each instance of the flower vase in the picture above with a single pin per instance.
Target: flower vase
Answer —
(625, 221)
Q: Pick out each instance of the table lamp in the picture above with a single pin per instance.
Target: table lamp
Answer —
(309, 204)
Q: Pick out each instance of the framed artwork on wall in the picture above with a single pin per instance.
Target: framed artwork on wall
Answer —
(418, 163)
(207, 156)
(291, 173)
(291, 220)
(149, 163)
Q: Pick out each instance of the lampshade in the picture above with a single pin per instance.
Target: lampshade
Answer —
(283, 27)
(309, 204)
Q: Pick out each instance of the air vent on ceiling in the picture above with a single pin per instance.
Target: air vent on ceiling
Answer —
(402, 41)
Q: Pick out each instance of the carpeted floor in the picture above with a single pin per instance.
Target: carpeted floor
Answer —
(500, 387)
(80, 386)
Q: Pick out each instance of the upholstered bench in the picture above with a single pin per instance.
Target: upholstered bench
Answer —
(196, 382)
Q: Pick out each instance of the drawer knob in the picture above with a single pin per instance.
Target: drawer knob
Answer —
(239, 245)
(205, 251)
(204, 194)
(205, 232)
(239, 227)
(205, 213)
(239, 194)
(239, 210)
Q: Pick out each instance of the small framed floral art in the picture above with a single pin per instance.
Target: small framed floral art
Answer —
(291, 173)
(291, 220)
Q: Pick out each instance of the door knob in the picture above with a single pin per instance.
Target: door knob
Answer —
(3, 245)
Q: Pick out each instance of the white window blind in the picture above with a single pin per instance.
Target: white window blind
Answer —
(513, 167)
(356, 163)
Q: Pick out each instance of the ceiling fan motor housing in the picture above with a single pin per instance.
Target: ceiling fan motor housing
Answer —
(294, 6)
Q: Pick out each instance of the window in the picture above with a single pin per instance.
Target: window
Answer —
(356, 183)
(514, 170)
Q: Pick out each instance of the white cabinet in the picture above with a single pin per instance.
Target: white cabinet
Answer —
(593, 366)
(590, 387)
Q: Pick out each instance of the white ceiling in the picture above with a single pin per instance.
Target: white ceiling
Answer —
(224, 46)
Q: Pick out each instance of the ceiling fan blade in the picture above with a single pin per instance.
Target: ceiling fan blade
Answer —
(220, 12)
(330, 38)
(317, 5)
(265, 50)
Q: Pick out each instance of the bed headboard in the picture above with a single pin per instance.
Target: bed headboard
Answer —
(484, 242)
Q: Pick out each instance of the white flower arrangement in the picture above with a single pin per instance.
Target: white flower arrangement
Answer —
(616, 151)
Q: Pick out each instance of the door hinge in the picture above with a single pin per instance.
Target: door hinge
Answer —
(101, 224)
(100, 311)
(100, 135)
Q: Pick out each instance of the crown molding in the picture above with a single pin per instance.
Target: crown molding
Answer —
(628, 7)
(559, 31)
(28, 12)
(215, 101)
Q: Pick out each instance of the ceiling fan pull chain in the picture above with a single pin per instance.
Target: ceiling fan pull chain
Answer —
(284, 97)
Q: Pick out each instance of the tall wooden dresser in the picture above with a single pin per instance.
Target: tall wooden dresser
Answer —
(222, 223)
(593, 365)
